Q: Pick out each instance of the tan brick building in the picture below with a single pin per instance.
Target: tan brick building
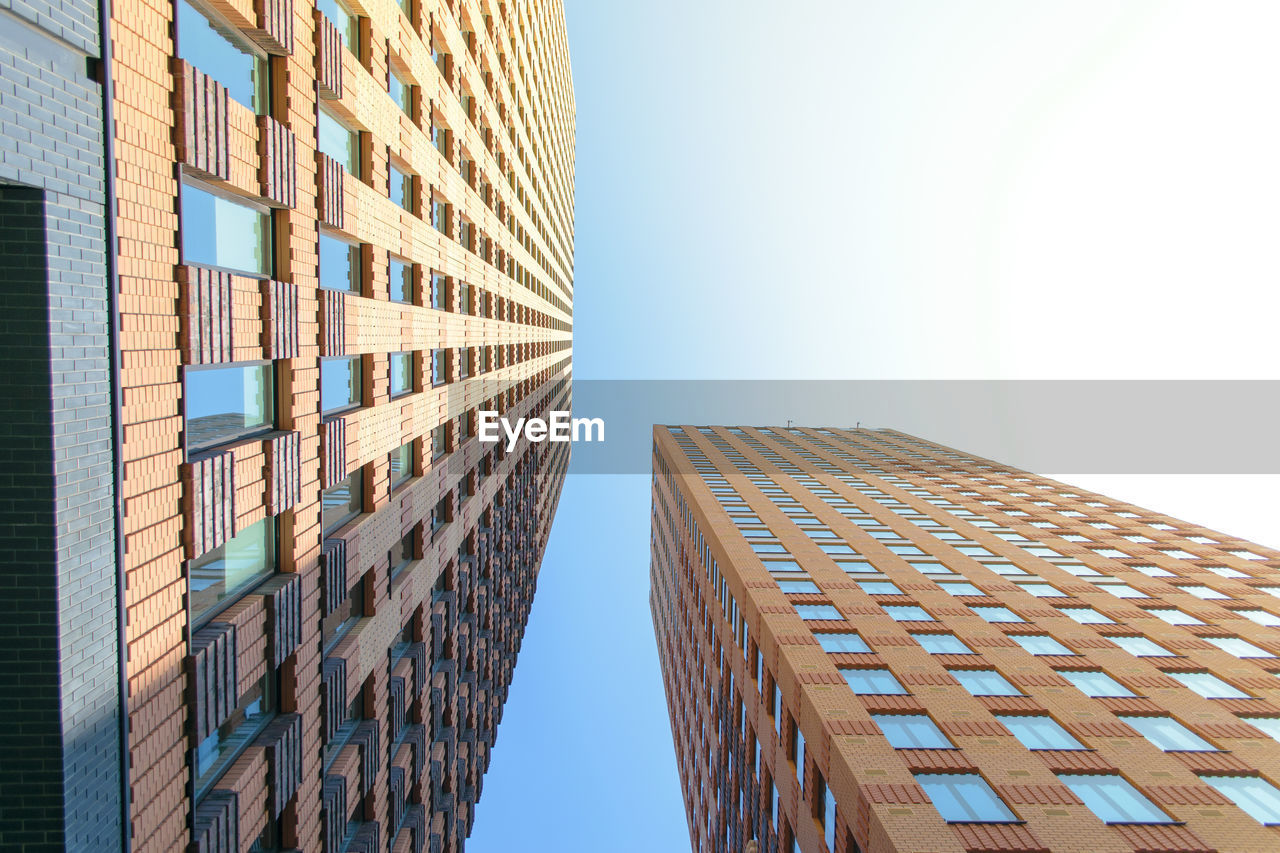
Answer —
(875, 643)
(341, 233)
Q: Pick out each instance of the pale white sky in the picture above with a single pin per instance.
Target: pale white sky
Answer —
(1012, 189)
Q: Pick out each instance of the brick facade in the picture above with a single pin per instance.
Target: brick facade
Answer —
(424, 660)
(789, 566)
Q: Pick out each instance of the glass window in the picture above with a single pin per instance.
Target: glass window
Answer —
(997, 614)
(908, 613)
(964, 798)
(233, 567)
(400, 188)
(340, 265)
(401, 465)
(1174, 617)
(1113, 799)
(440, 214)
(220, 232)
(343, 501)
(216, 752)
(912, 731)
(879, 588)
(1168, 734)
(1039, 732)
(1238, 647)
(224, 404)
(984, 682)
(1262, 617)
(961, 588)
(872, 682)
(439, 366)
(344, 616)
(347, 23)
(1042, 590)
(1121, 590)
(341, 384)
(400, 91)
(942, 644)
(1086, 616)
(1005, 568)
(1204, 592)
(1141, 647)
(439, 292)
(1268, 725)
(338, 141)
(798, 586)
(220, 53)
(401, 373)
(849, 642)
(400, 274)
(439, 441)
(1256, 797)
(401, 554)
(1040, 644)
(817, 611)
(1209, 686)
(1096, 684)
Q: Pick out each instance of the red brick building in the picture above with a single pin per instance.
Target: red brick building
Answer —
(341, 232)
(875, 643)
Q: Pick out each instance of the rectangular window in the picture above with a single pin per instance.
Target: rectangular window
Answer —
(441, 514)
(842, 643)
(1256, 797)
(338, 141)
(798, 586)
(1113, 799)
(1238, 647)
(401, 373)
(221, 53)
(1040, 644)
(439, 441)
(401, 554)
(984, 682)
(400, 91)
(346, 22)
(879, 588)
(440, 215)
(225, 404)
(401, 465)
(1209, 686)
(1039, 732)
(344, 616)
(817, 611)
(465, 363)
(232, 568)
(912, 731)
(942, 644)
(1096, 684)
(343, 501)
(340, 265)
(218, 231)
(341, 384)
(996, 615)
(400, 188)
(439, 366)
(964, 798)
(439, 292)
(908, 613)
(1168, 734)
(464, 300)
(400, 276)
(217, 751)
(960, 589)
(873, 682)
(1141, 647)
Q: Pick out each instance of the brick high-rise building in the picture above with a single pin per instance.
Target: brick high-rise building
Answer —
(266, 261)
(875, 643)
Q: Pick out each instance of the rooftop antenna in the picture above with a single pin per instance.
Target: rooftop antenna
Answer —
(788, 423)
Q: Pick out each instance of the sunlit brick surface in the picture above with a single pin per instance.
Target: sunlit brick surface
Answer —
(815, 592)
(489, 217)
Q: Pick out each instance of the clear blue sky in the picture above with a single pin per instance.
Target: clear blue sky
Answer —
(876, 190)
